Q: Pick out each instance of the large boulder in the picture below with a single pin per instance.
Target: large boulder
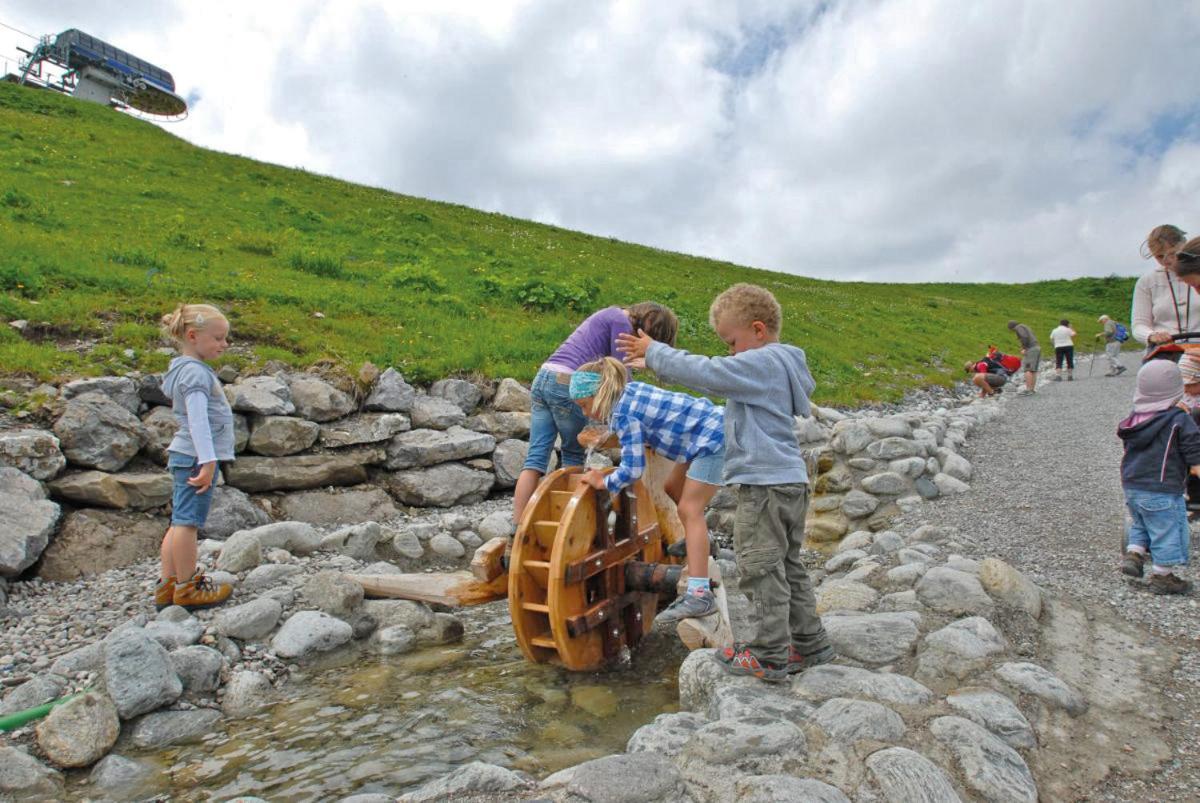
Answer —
(873, 638)
(250, 620)
(27, 520)
(432, 412)
(337, 506)
(165, 728)
(512, 397)
(35, 452)
(231, 511)
(834, 680)
(991, 768)
(1010, 587)
(260, 395)
(134, 490)
(1043, 684)
(79, 732)
(245, 693)
(120, 389)
(161, 426)
(241, 552)
(960, 648)
(950, 591)
(465, 395)
(391, 393)
(300, 472)
(138, 673)
(854, 720)
(317, 400)
(307, 633)
(363, 428)
(637, 776)
(428, 447)
(38, 690)
(199, 668)
(96, 432)
(667, 734)
(92, 541)
(501, 426)
(297, 537)
(23, 777)
(995, 712)
(357, 540)
(440, 486)
(279, 435)
(333, 593)
(904, 776)
(508, 460)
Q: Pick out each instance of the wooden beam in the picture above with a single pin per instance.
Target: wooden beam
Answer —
(486, 565)
(452, 589)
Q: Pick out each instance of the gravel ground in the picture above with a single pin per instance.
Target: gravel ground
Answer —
(1046, 496)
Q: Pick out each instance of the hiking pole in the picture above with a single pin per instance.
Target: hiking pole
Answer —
(1095, 354)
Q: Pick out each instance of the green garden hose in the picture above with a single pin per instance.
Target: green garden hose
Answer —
(13, 721)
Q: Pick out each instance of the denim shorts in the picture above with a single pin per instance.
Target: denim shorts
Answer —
(188, 508)
(1158, 523)
(708, 468)
(554, 416)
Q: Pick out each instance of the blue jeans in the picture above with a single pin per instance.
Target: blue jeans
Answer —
(554, 415)
(188, 508)
(1158, 523)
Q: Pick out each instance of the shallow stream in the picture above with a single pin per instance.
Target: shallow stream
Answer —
(358, 722)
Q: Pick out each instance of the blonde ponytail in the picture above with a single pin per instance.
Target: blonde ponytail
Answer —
(613, 379)
(175, 325)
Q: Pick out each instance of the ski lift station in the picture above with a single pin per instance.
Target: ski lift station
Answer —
(95, 70)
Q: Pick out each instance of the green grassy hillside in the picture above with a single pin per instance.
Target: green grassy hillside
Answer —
(106, 222)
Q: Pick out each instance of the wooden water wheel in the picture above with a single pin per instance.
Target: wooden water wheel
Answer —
(580, 586)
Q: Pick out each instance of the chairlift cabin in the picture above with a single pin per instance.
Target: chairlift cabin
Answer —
(101, 73)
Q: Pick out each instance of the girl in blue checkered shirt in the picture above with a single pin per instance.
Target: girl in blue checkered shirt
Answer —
(682, 428)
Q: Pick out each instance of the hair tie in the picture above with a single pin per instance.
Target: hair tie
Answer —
(584, 384)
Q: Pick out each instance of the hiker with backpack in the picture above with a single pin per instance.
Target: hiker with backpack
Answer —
(1114, 335)
(989, 373)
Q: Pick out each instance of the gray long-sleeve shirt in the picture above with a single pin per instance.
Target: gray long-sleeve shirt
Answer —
(1026, 336)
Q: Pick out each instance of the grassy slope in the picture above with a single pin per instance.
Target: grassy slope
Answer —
(106, 222)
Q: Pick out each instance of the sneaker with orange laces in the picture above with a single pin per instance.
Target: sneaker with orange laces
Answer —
(738, 660)
(798, 661)
(200, 592)
(164, 594)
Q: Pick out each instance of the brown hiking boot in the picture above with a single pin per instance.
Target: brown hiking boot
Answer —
(200, 592)
(164, 594)
(1169, 584)
(1133, 564)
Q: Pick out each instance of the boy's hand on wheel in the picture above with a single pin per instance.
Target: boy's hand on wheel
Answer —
(595, 478)
(634, 347)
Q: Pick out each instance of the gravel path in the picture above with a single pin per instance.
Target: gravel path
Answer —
(1046, 496)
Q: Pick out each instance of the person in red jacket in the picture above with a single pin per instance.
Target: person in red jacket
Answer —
(988, 373)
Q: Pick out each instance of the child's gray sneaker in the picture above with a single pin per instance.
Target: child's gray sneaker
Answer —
(689, 606)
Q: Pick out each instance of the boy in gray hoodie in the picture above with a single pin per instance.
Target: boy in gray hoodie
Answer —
(766, 384)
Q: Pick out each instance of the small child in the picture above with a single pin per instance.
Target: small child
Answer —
(205, 435)
(766, 384)
(554, 416)
(1161, 443)
(677, 426)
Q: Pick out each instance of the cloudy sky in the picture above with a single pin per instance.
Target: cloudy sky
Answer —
(897, 140)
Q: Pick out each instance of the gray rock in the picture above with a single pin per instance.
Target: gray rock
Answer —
(501, 426)
(960, 564)
(445, 629)
(297, 537)
(23, 777)
(363, 428)
(877, 638)
(905, 575)
(175, 634)
(246, 693)
(34, 452)
(333, 593)
(26, 524)
(231, 511)
(995, 712)
(850, 437)
(755, 745)
(853, 720)
(149, 390)
(391, 393)
(960, 648)
(465, 395)
(950, 486)
(88, 658)
(427, 447)
(1044, 685)
(37, 690)
(138, 673)
(666, 735)
(886, 543)
(358, 540)
(911, 467)
(755, 788)
(430, 412)
(899, 601)
(163, 728)
(241, 552)
(885, 483)
(19, 483)
(845, 595)
(894, 449)
(859, 539)
(199, 668)
(390, 612)
(117, 773)
(508, 461)
(909, 555)
(260, 395)
(990, 767)
(277, 435)
(395, 640)
(954, 465)
(907, 777)
(447, 546)
(644, 777)
(308, 632)
(303, 471)
(889, 427)
(949, 591)
(1009, 586)
(119, 389)
(96, 432)
(469, 539)
(407, 545)
(251, 620)
(338, 506)
(927, 488)
(809, 430)
(858, 504)
(476, 778)
(268, 576)
(316, 399)
(831, 680)
(139, 491)
(455, 522)
(440, 486)
(512, 397)
(843, 559)
(738, 702)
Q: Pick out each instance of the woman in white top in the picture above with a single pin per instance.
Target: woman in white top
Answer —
(1063, 338)
(1163, 305)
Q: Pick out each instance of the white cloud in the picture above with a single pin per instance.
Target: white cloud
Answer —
(893, 140)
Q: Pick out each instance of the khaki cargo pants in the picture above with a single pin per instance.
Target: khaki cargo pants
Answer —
(768, 534)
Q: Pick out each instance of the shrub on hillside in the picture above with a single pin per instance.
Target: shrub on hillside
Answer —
(546, 294)
(186, 240)
(138, 258)
(318, 265)
(261, 244)
(416, 277)
(24, 280)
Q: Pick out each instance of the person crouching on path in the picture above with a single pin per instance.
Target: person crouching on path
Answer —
(1162, 448)
(1031, 356)
(766, 384)
(988, 375)
(1112, 346)
(205, 435)
(1063, 338)
(677, 426)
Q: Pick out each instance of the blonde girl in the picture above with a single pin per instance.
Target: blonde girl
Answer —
(205, 435)
(683, 428)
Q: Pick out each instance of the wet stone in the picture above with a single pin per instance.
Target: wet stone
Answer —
(667, 734)
(163, 728)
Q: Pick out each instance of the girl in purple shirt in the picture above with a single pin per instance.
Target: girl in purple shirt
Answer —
(554, 414)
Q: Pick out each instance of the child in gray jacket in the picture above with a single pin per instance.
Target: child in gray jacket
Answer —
(766, 384)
